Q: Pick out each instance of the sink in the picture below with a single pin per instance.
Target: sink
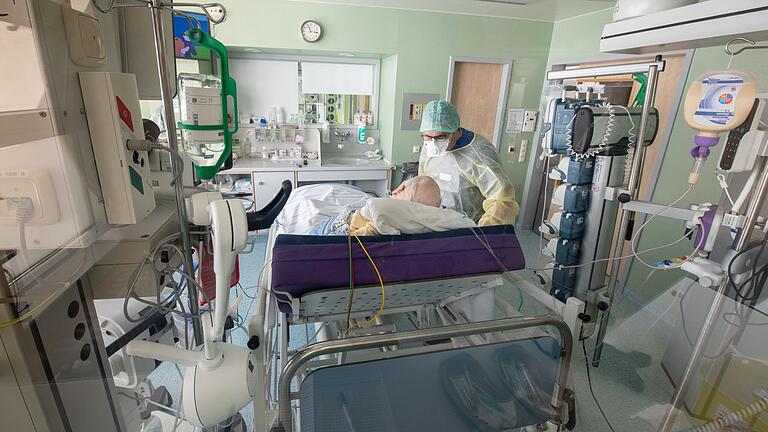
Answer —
(342, 160)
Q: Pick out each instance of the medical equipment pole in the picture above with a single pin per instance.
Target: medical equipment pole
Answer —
(626, 215)
(6, 312)
(376, 341)
(173, 144)
(740, 244)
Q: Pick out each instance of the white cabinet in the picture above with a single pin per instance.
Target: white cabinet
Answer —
(340, 176)
(374, 181)
(266, 185)
(267, 177)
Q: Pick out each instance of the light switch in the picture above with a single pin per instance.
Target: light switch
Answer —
(523, 151)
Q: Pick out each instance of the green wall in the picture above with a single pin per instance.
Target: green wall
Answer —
(415, 48)
(579, 37)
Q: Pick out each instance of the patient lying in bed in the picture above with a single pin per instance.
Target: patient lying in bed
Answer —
(422, 190)
(330, 209)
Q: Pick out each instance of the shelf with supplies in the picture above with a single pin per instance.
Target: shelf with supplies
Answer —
(287, 144)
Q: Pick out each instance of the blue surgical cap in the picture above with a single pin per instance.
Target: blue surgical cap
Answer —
(439, 116)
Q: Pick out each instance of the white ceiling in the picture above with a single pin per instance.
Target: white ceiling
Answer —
(544, 10)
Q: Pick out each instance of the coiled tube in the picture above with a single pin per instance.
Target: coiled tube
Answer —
(744, 413)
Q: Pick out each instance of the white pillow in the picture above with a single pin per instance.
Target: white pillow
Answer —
(393, 216)
(312, 205)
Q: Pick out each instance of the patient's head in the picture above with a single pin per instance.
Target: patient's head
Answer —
(420, 189)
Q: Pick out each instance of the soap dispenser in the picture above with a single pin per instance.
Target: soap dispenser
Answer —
(362, 135)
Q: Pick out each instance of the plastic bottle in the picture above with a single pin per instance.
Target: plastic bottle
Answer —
(719, 101)
(362, 134)
(716, 102)
(297, 150)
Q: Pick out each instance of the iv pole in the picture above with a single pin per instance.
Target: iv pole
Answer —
(156, 7)
(173, 144)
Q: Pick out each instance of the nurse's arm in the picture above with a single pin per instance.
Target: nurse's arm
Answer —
(499, 206)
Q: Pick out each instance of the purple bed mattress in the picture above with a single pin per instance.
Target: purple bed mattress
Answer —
(304, 263)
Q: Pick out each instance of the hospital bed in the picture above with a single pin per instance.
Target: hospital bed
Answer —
(306, 279)
(308, 276)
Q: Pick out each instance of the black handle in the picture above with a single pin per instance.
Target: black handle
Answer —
(570, 399)
(263, 218)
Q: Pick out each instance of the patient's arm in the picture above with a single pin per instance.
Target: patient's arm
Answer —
(360, 226)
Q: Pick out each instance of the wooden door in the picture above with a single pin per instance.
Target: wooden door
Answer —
(475, 91)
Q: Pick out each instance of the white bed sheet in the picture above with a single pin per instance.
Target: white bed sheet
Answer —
(311, 205)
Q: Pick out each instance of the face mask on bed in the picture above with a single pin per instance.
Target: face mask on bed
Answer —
(436, 147)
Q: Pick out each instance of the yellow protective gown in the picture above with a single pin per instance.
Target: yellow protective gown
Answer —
(472, 181)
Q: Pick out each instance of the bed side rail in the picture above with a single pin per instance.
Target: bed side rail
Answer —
(561, 394)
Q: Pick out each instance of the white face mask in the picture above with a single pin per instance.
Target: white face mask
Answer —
(436, 147)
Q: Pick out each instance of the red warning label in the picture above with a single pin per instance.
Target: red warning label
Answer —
(125, 113)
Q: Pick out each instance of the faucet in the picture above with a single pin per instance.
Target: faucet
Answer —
(342, 136)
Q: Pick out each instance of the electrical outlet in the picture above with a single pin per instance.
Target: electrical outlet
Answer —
(416, 149)
(511, 149)
(33, 185)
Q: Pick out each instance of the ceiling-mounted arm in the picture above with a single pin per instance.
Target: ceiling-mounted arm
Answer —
(752, 46)
(215, 12)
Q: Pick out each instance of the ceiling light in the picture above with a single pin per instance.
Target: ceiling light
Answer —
(253, 50)
(346, 55)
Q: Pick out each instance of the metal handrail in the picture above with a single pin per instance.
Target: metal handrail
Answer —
(598, 71)
(285, 421)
